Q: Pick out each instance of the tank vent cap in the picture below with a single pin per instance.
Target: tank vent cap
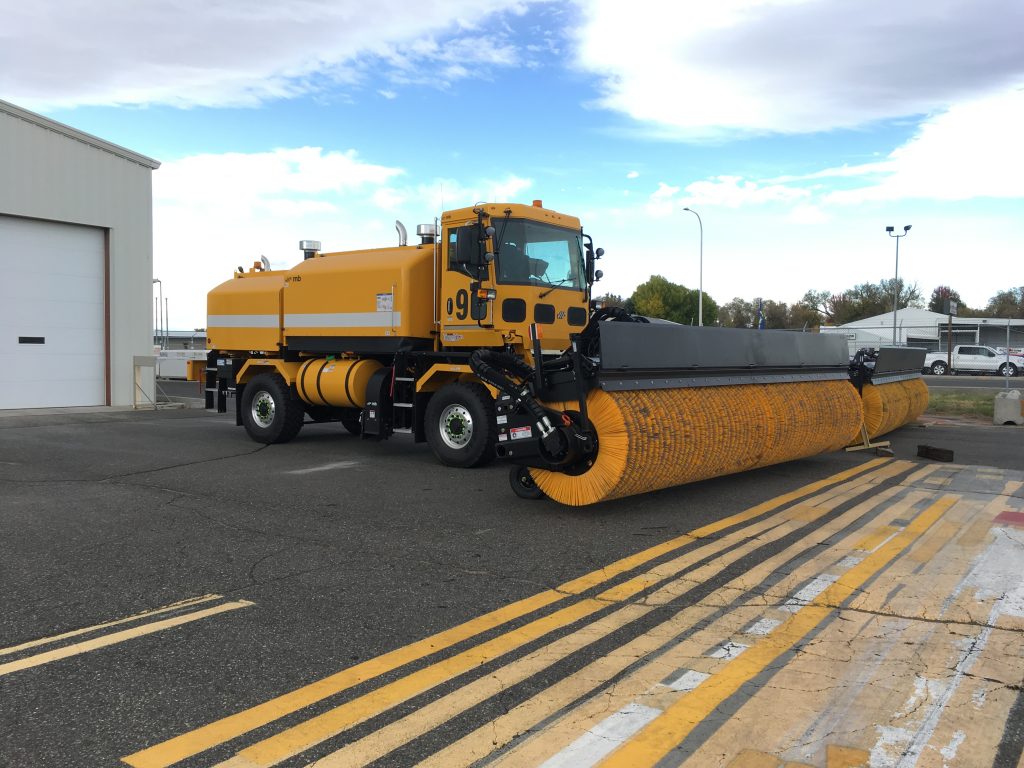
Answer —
(538, 203)
(309, 248)
(426, 233)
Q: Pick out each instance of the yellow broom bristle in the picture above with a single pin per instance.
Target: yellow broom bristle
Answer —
(890, 406)
(657, 438)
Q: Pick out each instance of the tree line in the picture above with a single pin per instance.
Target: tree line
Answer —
(659, 297)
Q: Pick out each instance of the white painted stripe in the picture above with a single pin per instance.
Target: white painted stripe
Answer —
(810, 591)
(242, 321)
(762, 626)
(343, 320)
(96, 627)
(729, 651)
(888, 538)
(848, 562)
(688, 681)
(324, 468)
(117, 637)
(603, 738)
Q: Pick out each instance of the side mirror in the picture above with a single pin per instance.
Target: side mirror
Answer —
(598, 275)
(467, 245)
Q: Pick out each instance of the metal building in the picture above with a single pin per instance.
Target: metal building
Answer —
(76, 255)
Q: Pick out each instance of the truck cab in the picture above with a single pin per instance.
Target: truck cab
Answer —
(505, 267)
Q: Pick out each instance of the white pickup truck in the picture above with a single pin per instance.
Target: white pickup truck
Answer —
(974, 359)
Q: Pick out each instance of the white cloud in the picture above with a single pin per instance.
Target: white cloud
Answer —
(662, 201)
(388, 94)
(735, 191)
(213, 213)
(741, 67)
(234, 53)
(972, 150)
(633, 175)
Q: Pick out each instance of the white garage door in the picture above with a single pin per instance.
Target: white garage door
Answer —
(52, 337)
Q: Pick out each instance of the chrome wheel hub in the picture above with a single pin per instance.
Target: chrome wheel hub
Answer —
(263, 409)
(456, 426)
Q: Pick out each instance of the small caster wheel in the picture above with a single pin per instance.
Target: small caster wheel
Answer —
(522, 483)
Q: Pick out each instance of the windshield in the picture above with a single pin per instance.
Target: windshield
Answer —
(530, 253)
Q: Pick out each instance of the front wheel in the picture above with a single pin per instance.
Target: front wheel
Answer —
(939, 368)
(523, 485)
(460, 425)
(1007, 369)
(270, 412)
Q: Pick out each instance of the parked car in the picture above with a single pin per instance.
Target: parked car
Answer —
(973, 358)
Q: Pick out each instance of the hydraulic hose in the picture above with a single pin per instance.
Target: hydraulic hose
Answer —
(496, 368)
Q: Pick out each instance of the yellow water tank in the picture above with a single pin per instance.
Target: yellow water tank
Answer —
(340, 383)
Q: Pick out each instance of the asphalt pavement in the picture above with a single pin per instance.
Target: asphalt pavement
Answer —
(299, 560)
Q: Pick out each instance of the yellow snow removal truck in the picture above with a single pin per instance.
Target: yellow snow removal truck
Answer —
(481, 340)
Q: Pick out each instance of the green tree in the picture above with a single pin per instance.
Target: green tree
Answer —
(738, 313)
(1009, 303)
(776, 314)
(803, 316)
(659, 297)
(610, 300)
(818, 302)
(942, 294)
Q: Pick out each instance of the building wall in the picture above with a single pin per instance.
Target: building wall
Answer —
(54, 173)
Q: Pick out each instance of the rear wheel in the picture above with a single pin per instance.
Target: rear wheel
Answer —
(350, 421)
(320, 413)
(460, 425)
(939, 368)
(270, 412)
(1007, 369)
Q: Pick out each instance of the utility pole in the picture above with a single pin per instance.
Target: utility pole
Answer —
(700, 278)
(896, 281)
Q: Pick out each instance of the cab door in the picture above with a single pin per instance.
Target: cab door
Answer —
(467, 315)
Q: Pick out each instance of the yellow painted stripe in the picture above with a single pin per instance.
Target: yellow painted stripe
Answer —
(307, 734)
(117, 637)
(661, 736)
(524, 717)
(96, 627)
(378, 743)
(192, 743)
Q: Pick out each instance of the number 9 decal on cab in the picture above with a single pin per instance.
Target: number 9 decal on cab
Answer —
(461, 304)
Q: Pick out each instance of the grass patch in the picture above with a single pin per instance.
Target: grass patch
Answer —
(961, 403)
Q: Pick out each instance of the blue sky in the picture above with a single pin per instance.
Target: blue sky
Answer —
(798, 129)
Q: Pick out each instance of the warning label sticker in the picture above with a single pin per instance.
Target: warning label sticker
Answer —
(385, 302)
(519, 433)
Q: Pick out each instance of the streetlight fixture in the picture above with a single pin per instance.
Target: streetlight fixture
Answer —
(896, 281)
(159, 312)
(700, 279)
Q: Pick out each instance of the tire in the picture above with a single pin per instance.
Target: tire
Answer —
(939, 368)
(522, 484)
(320, 413)
(460, 427)
(270, 412)
(350, 421)
(1007, 369)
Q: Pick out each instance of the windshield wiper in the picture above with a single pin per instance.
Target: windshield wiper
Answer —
(553, 286)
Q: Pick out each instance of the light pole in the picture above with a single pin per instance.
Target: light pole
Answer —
(160, 309)
(896, 281)
(700, 279)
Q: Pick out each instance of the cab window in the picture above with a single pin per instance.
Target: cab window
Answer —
(531, 253)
